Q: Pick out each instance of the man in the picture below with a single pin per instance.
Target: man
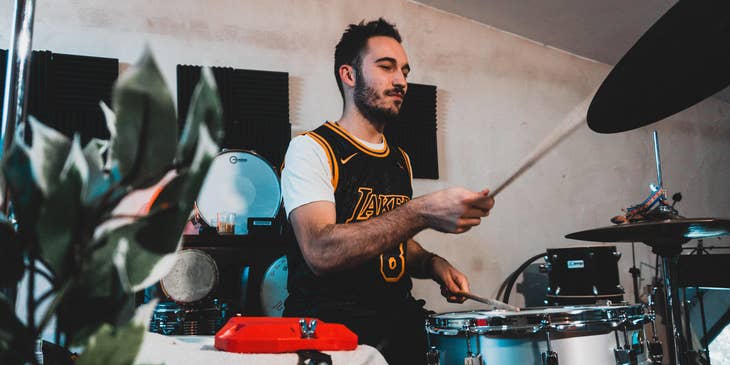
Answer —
(347, 193)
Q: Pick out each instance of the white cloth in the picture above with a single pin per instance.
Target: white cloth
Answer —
(306, 177)
(195, 350)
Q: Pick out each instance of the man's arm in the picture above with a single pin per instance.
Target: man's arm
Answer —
(328, 247)
(426, 265)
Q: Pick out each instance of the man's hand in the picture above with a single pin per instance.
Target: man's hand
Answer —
(451, 280)
(454, 210)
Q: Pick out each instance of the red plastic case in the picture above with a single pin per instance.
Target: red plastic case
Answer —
(277, 335)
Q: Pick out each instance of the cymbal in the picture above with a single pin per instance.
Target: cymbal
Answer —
(681, 60)
(668, 231)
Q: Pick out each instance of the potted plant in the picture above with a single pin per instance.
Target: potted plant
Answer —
(63, 197)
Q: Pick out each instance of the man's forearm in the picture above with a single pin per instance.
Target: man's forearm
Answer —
(420, 261)
(340, 246)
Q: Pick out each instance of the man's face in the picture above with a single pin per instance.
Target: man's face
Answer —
(381, 83)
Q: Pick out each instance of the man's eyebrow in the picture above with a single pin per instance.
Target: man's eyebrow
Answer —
(388, 59)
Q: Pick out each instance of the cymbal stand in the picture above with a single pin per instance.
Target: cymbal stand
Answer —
(676, 339)
(705, 350)
(635, 274)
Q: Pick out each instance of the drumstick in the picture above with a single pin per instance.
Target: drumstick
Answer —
(572, 121)
(492, 302)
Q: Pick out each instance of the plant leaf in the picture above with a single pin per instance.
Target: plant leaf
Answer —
(98, 296)
(60, 214)
(206, 108)
(120, 345)
(145, 125)
(48, 151)
(16, 341)
(11, 255)
(30, 172)
(113, 345)
(99, 182)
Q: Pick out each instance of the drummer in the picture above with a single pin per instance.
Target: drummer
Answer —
(347, 193)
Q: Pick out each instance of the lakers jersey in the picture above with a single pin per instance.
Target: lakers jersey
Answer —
(366, 183)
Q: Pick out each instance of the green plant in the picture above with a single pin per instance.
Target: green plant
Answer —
(63, 196)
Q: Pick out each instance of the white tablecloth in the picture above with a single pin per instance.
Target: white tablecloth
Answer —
(159, 349)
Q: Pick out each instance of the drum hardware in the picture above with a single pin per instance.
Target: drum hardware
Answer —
(628, 353)
(549, 357)
(470, 358)
(433, 356)
(308, 329)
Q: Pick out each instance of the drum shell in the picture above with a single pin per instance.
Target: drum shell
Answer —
(244, 183)
(583, 275)
(580, 335)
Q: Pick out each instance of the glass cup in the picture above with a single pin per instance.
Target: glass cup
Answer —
(226, 223)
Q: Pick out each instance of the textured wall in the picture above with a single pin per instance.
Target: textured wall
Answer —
(499, 95)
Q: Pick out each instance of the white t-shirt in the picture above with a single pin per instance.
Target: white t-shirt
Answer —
(306, 177)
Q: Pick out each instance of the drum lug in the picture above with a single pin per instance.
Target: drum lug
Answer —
(656, 353)
(472, 359)
(550, 358)
(433, 356)
(625, 357)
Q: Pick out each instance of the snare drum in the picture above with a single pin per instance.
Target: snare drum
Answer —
(243, 183)
(575, 335)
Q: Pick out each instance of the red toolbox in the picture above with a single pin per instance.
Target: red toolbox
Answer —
(276, 335)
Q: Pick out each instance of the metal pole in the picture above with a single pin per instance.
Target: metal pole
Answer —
(17, 72)
(675, 333)
(658, 160)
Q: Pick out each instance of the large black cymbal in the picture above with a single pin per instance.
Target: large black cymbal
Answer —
(681, 60)
(668, 231)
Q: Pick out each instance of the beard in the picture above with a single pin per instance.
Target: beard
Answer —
(366, 101)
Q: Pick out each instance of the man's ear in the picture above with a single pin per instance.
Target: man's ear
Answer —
(347, 74)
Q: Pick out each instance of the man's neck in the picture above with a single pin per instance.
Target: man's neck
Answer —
(356, 124)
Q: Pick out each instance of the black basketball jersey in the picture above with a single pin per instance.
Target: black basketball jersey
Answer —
(367, 183)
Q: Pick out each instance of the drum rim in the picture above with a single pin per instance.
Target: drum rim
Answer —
(572, 319)
(212, 289)
(260, 157)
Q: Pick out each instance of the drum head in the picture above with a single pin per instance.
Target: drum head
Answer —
(239, 182)
(193, 277)
(273, 288)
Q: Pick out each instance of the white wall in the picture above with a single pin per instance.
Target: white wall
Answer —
(498, 95)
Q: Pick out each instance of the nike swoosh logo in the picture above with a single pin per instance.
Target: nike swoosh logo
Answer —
(345, 160)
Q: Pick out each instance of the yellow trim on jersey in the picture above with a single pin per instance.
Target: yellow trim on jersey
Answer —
(330, 157)
(350, 138)
(403, 266)
(408, 164)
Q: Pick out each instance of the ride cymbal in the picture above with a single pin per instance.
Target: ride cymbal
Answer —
(681, 60)
(667, 231)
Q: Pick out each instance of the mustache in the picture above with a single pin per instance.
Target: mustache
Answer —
(398, 90)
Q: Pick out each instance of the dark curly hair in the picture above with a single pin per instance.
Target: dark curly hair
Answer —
(349, 50)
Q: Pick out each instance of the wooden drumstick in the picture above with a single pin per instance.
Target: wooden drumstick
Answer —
(491, 302)
(572, 121)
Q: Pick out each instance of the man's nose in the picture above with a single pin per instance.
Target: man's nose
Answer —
(400, 80)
